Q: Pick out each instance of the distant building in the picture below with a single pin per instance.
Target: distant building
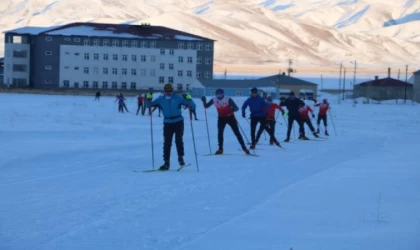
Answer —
(416, 85)
(106, 56)
(384, 89)
(1, 71)
(276, 86)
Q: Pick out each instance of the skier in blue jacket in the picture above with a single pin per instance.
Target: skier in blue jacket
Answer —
(173, 123)
(192, 106)
(259, 109)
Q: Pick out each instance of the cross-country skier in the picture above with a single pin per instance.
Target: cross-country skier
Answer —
(225, 107)
(259, 110)
(292, 104)
(322, 114)
(140, 101)
(121, 103)
(173, 123)
(304, 111)
(192, 107)
(271, 120)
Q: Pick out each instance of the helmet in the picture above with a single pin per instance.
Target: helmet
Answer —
(149, 95)
(220, 91)
(324, 100)
(168, 87)
(254, 90)
(188, 97)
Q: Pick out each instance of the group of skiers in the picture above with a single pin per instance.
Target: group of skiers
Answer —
(261, 112)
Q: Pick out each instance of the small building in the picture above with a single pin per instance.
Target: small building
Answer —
(416, 86)
(276, 86)
(384, 89)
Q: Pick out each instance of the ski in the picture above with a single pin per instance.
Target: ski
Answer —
(231, 154)
(157, 170)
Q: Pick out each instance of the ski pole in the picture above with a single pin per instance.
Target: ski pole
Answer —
(193, 137)
(151, 135)
(332, 121)
(246, 138)
(207, 126)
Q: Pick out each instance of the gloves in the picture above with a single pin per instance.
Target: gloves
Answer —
(313, 116)
(243, 115)
(203, 98)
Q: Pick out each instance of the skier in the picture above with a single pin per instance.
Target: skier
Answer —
(121, 103)
(173, 123)
(225, 107)
(322, 114)
(292, 104)
(97, 95)
(148, 99)
(259, 110)
(192, 107)
(271, 120)
(140, 101)
(304, 116)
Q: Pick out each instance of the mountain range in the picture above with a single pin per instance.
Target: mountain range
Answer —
(256, 35)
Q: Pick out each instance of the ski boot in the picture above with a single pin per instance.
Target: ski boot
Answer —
(181, 161)
(219, 151)
(326, 133)
(164, 167)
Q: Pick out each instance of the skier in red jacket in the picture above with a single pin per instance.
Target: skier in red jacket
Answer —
(271, 120)
(140, 104)
(322, 114)
(304, 116)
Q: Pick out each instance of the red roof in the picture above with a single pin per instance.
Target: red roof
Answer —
(386, 82)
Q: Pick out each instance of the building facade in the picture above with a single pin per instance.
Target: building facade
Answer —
(416, 86)
(382, 89)
(106, 56)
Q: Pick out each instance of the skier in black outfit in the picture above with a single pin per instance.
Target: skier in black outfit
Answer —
(225, 107)
(293, 104)
(97, 96)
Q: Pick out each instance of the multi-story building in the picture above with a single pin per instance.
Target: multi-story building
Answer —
(106, 56)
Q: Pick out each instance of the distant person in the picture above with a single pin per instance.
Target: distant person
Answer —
(140, 104)
(304, 111)
(121, 103)
(271, 120)
(322, 114)
(97, 96)
(293, 104)
(192, 106)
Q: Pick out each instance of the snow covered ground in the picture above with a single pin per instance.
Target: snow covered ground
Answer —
(66, 182)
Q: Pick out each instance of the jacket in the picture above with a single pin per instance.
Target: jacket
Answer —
(293, 105)
(171, 107)
(257, 105)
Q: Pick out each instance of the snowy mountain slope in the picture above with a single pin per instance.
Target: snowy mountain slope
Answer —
(251, 32)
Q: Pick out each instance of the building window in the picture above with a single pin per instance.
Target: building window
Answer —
(86, 56)
(115, 43)
(85, 84)
(143, 58)
(143, 44)
(198, 75)
(180, 59)
(180, 73)
(133, 85)
(171, 52)
(187, 87)
(105, 71)
(162, 66)
(152, 72)
(48, 67)
(180, 45)
(133, 72)
(19, 68)
(153, 58)
(105, 85)
(124, 71)
(105, 43)
(96, 56)
(66, 83)
(48, 53)
(189, 59)
(189, 46)
(124, 57)
(95, 42)
(114, 85)
(162, 51)
(66, 67)
(76, 54)
(76, 68)
(95, 70)
(189, 73)
(171, 66)
(207, 75)
(48, 38)
(208, 47)
(143, 72)
(199, 60)
(171, 79)
(105, 57)
(134, 58)
(76, 85)
(125, 43)
(161, 79)
(207, 61)
(114, 71)
(86, 70)
(124, 85)
(115, 57)
(134, 44)
(20, 53)
(152, 45)
(179, 86)
(67, 39)
(76, 40)
(95, 85)
(86, 42)
(199, 46)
